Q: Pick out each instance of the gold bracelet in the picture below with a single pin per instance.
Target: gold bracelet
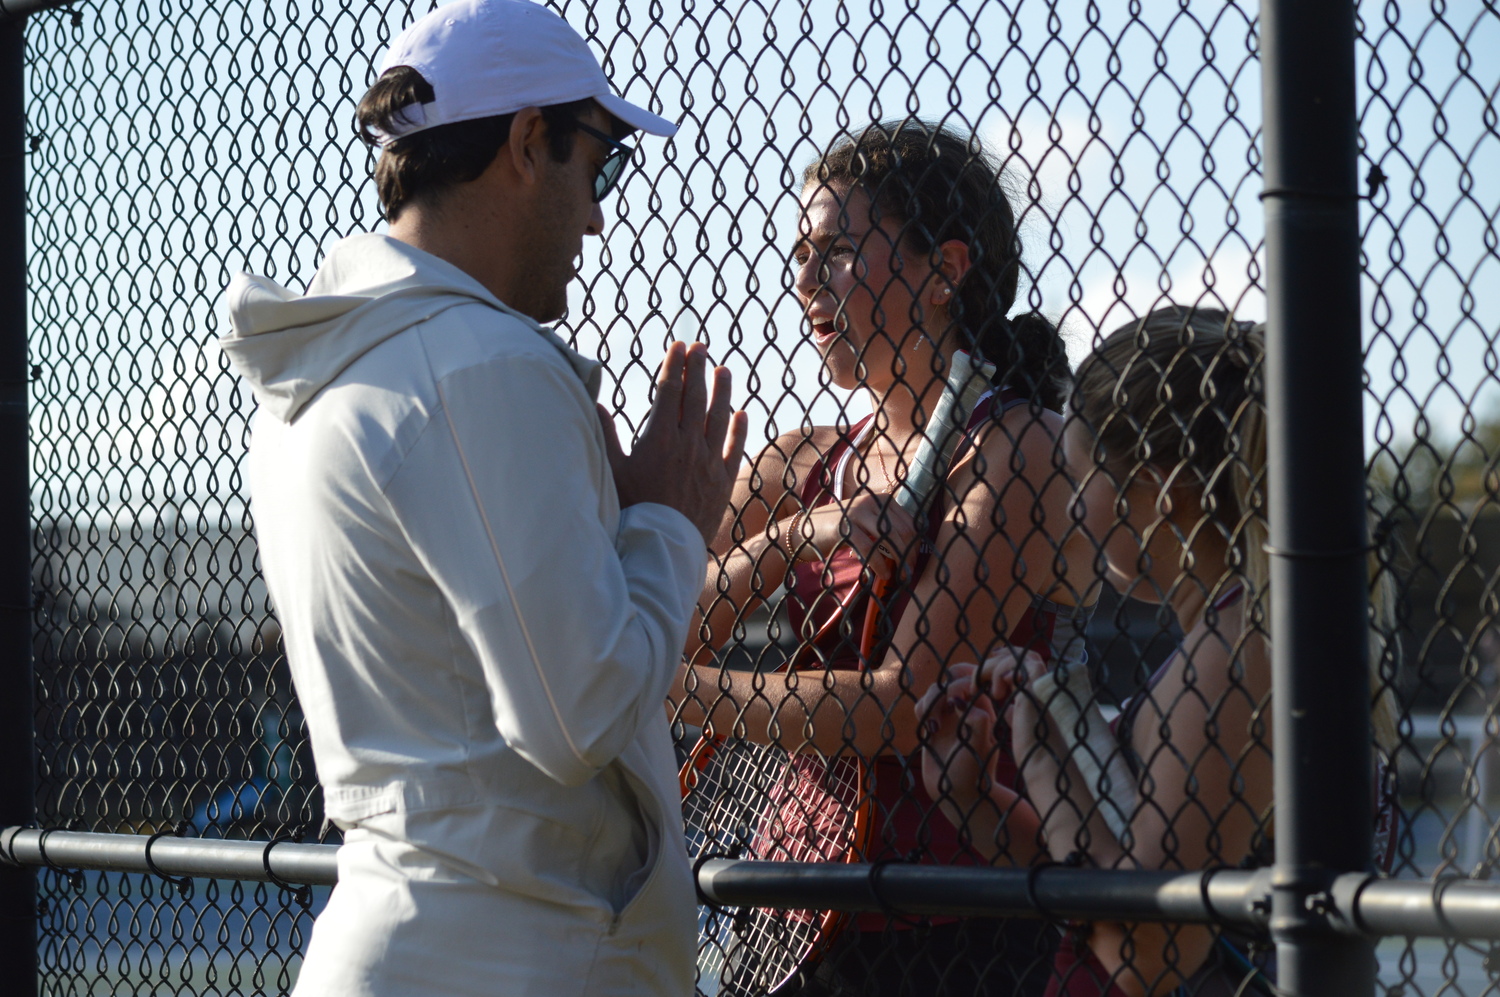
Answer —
(791, 531)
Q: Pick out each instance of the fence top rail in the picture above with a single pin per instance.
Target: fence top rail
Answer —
(1357, 904)
(260, 861)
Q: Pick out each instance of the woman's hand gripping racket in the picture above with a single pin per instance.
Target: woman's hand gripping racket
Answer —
(758, 802)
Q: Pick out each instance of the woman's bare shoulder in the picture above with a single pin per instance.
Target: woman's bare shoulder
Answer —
(1225, 648)
(1023, 427)
(1022, 441)
(791, 456)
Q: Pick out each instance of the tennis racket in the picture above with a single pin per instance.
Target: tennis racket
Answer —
(758, 802)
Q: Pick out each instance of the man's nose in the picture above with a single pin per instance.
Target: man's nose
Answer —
(596, 221)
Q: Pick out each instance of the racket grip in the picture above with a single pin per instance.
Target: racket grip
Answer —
(1067, 693)
(965, 385)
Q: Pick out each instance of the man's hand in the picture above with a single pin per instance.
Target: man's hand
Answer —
(690, 451)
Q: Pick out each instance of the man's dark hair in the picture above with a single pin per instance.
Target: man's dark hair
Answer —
(423, 165)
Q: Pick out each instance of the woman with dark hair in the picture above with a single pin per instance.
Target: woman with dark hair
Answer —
(906, 251)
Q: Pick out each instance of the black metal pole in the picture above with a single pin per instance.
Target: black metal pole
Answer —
(18, 960)
(1317, 491)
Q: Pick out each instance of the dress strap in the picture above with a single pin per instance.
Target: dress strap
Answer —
(826, 479)
(831, 471)
(991, 405)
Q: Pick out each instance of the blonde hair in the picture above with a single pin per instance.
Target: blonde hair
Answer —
(1182, 389)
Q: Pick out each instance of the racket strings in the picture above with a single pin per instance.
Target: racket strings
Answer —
(759, 802)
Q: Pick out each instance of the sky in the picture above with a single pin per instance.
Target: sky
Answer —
(175, 152)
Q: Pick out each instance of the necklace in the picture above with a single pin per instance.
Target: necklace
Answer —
(890, 482)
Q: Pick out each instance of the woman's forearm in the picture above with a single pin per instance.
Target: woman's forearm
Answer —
(738, 582)
(1001, 824)
(829, 711)
(1150, 960)
(1071, 818)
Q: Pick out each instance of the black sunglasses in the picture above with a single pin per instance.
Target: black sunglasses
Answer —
(613, 167)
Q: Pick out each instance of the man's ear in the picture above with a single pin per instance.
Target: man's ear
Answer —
(952, 260)
(527, 144)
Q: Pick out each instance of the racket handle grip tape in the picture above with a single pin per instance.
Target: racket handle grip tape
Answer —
(966, 384)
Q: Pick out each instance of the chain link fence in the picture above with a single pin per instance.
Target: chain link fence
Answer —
(173, 144)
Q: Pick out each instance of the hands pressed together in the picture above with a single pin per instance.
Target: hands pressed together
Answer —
(689, 453)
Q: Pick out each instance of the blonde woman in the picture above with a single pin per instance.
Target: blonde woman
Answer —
(1165, 444)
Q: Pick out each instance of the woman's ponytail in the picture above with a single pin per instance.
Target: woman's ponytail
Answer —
(1030, 357)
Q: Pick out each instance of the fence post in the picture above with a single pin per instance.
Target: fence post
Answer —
(1316, 487)
(18, 940)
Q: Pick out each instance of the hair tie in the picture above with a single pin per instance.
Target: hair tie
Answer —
(1234, 357)
(1238, 350)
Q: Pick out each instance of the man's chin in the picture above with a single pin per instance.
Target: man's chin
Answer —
(550, 310)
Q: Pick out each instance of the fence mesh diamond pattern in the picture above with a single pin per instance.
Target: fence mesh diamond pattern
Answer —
(174, 144)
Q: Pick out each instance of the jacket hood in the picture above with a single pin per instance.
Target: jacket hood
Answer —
(290, 346)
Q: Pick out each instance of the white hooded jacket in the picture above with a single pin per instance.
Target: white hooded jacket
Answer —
(480, 638)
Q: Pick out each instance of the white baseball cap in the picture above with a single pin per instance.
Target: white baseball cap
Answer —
(492, 57)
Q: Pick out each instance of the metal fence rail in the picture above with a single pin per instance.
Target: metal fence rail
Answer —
(1329, 169)
(1355, 904)
(281, 862)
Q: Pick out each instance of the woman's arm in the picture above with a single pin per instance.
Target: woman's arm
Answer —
(994, 554)
(1205, 779)
(753, 549)
(809, 709)
(1072, 820)
(1205, 749)
(832, 711)
(1205, 771)
(959, 714)
(749, 561)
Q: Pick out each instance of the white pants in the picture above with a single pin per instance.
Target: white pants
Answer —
(402, 924)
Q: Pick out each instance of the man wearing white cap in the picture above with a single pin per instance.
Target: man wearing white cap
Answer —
(483, 599)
